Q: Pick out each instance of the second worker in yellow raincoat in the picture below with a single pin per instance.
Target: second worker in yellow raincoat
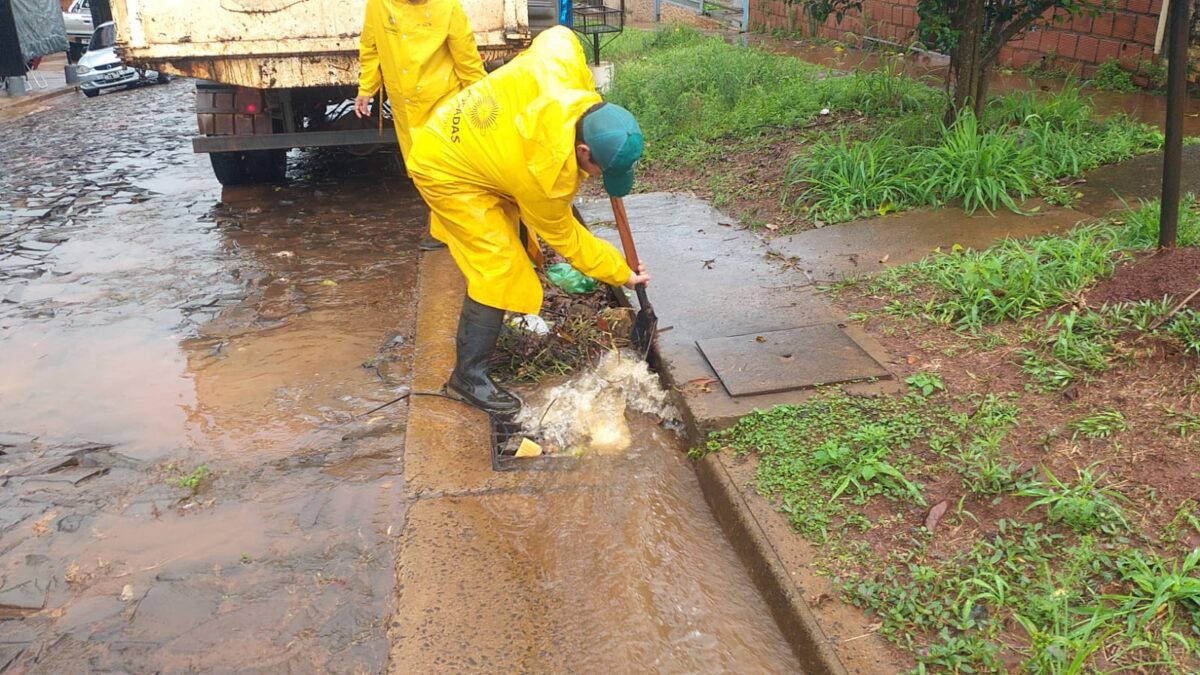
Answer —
(514, 148)
(423, 51)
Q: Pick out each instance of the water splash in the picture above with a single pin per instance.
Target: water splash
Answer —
(588, 411)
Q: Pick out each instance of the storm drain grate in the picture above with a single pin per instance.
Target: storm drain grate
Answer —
(504, 433)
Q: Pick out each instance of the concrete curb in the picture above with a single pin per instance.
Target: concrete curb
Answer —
(796, 621)
(19, 104)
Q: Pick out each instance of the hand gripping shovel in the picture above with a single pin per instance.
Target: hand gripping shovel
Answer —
(645, 323)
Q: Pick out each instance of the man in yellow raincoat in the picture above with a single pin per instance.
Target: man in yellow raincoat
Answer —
(514, 148)
(424, 52)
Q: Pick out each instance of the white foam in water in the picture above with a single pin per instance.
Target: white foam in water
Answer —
(588, 411)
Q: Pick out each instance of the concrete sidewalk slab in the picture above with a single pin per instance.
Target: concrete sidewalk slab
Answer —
(835, 252)
(1109, 188)
(51, 73)
(455, 554)
(713, 280)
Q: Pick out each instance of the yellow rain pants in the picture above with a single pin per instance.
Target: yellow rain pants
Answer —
(423, 51)
(503, 150)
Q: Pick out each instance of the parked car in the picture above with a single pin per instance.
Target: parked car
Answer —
(100, 69)
(78, 20)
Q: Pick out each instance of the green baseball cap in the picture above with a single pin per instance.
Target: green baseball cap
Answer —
(615, 139)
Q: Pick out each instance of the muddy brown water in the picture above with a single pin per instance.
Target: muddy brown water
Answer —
(242, 330)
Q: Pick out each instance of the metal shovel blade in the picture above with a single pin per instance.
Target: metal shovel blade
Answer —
(645, 324)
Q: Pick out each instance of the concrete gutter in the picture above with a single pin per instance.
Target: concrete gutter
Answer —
(791, 612)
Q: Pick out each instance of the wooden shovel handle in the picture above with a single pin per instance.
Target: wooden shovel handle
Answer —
(631, 256)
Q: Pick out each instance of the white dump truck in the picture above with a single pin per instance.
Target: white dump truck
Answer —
(279, 74)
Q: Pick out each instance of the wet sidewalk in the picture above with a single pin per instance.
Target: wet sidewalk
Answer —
(43, 85)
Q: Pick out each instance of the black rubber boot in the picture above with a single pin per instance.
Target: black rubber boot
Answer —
(478, 329)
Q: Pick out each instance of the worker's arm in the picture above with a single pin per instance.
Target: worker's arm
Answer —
(461, 41)
(553, 221)
(369, 79)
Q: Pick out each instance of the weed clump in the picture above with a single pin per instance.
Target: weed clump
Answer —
(1024, 145)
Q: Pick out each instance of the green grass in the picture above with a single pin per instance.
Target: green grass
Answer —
(688, 90)
(1110, 76)
(1084, 506)
(1020, 279)
(1046, 593)
(1026, 142)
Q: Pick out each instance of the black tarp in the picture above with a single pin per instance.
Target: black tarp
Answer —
(28, 29)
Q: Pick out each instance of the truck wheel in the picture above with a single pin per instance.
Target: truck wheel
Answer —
(74, 52)
(267, 166)
(251, 166)
(90, 93)
(229, 168)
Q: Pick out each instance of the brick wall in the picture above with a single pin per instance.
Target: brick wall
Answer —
(1078, 45)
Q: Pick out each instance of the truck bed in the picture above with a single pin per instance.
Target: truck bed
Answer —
(279, 43)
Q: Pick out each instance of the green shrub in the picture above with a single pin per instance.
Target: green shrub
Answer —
(982, 168)
(1110, 76)
(842, 181)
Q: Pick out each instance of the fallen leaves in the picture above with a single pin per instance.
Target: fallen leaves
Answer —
(935, 515)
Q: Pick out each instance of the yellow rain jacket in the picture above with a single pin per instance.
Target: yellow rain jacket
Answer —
(503, 150)
(425, 53)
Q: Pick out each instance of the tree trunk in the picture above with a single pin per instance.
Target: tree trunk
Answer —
(967, 67)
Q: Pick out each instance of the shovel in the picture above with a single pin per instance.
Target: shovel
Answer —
(646, 322)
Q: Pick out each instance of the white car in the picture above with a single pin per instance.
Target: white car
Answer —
(100, 69)
(78, 21)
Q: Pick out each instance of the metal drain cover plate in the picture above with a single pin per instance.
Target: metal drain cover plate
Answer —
(785, 360)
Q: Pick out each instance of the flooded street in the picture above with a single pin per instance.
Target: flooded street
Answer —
(187, 479)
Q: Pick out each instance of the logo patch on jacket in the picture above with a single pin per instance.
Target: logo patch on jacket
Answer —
(482, 112)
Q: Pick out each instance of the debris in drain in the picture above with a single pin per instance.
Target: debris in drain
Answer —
(570, 335)
(527, 448)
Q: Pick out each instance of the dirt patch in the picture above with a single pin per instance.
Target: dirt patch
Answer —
(1172, 273)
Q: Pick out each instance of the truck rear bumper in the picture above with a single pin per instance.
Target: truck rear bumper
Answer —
(311, 139)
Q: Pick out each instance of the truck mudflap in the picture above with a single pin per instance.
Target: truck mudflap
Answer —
(303, 139)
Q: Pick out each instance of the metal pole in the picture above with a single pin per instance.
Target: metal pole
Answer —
(596, 47)
(1168, 218)
(657, 11)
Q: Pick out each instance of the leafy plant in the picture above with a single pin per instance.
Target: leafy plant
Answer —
(1185, 327)
(925, 384)
(1161, 611)
(1100, 424)
(1184, 423)
(193, 480)
(1083, 507)
(982, 168)
(1110, 76)
(841, 181)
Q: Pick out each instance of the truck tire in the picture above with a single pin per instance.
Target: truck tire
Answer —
(251, 166)
(267, 166)
(74, 51)
(229, 168)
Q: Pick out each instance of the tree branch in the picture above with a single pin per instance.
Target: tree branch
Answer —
(1008, 32)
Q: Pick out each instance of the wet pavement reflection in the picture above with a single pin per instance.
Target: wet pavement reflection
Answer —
(212, 347)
